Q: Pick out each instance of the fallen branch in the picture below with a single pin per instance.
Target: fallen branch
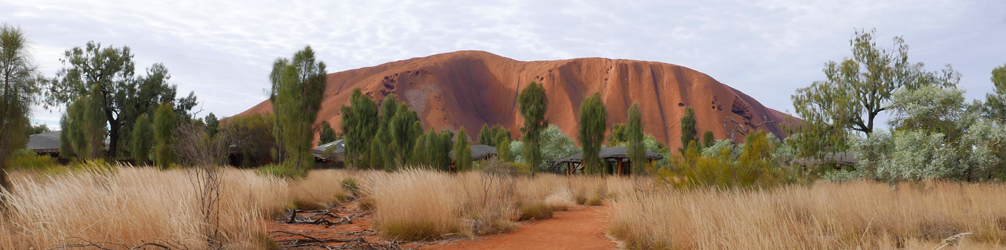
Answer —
(313, 239)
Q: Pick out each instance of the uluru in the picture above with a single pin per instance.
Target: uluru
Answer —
(472, 88)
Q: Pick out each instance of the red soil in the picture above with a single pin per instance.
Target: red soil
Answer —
(472, 88)
(581, 228)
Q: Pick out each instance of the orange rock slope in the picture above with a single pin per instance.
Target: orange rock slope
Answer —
(472, 88)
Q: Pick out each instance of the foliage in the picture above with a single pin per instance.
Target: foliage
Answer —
(281, 171)
(754, 166)
(462, 153)
(503, 150)
(433, 149)
(84, 127)
(404, 129)
(327, 133)
(252, 137)
(555, 145)
(38, 129)
(492, 136)
(708, 139)
(19, 80)
(143, 140)
(689, 132)
(164, 129)
(298, 85)
(593, 123)
(27, 160)
(636, 148)
(935, 135)
(123, 96)
(995, 102)
(856, 91)
(533, 105)
(535, 211)
(359, 125)
(212, 125)
(618, 135)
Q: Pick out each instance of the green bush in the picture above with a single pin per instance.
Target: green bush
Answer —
(413, 231)
(27, 160)
(535, 211)
(282, 171)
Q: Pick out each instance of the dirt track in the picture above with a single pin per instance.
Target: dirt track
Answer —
(580, 228)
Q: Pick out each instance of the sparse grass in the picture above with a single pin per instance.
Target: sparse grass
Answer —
(859, 215)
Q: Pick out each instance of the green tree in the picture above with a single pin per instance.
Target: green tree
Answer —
(143, 137)
(503, 149)
(19, 79)
(636, 149)
(164, 129)
(85, 126)
(533, 105)
(298, 85)
(708, 139)
(618, 135)
(359, 124)
(327, 133)
(252, 135)
(212, 125)
(405, 128)
(462, 153)
(593, 123)
(491, 135)
(688, 131)
(37, 129)
(995, 102)
(123, 97)
(856, 91)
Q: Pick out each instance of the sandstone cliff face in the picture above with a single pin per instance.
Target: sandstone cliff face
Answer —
(472, 88)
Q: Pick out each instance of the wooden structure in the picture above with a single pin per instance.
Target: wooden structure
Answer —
(616, 161)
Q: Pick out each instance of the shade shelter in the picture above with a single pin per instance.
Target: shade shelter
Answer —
(45, 143)
(615, 158)
(479, 153)
(338, 147)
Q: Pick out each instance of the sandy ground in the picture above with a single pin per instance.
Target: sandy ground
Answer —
(578, 228)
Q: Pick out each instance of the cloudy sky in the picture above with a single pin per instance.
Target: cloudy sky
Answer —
(223, 50)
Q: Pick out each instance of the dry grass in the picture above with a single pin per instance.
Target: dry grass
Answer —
(136, 205)
(421, 204)
(859, 215)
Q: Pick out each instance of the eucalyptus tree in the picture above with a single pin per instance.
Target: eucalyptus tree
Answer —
(636, 140)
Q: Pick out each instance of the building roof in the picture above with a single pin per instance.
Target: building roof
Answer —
(479, 152)
(340, 148)
(44, 142)
(609, 153)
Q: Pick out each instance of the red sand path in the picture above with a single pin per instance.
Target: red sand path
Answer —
(580, 228)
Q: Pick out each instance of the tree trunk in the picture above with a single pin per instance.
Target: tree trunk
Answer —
(113, 138)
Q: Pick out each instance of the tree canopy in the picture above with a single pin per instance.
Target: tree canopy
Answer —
(533, 105)
(593, 123)
(636, 148)
(121, 95)
(856, 90)
(19, 80)
(299, 85)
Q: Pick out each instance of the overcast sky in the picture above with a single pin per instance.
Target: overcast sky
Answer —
(223, 50)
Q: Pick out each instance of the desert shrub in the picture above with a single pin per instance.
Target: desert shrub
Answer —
(535, 211)
(349, 184)
(282, 171)
(754, 166)
(27, 160)
(594, 201)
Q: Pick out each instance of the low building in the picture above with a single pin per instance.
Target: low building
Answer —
(616, 161)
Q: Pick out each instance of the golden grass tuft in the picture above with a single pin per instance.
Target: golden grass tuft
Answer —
(131, 206)
(860, 215)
